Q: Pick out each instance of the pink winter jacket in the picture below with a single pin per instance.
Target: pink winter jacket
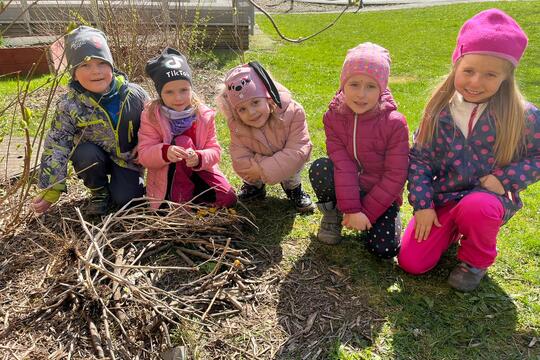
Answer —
(370, 154)
(281, 147)
(153, 134)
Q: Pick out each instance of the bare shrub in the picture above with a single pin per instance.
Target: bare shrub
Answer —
(136, 31)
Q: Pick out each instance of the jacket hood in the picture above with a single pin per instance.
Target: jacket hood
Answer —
(386, 104)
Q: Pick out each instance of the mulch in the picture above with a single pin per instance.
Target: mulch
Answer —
(192, 278)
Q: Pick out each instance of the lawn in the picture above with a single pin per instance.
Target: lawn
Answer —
(416, 317)
(424, 319)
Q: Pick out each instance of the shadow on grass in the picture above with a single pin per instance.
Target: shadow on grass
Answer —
(274, 218)
(321, 307)
(340, 302)
(429, 320)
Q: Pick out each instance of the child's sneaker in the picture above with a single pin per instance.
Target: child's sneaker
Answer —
(250, 192)
(330, 228)
(302, 201)
(99, 202)
(465, 277)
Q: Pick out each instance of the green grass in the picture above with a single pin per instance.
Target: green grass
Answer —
(10, 87)
(424, 318)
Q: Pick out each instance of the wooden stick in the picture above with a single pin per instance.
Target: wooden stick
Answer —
(94, 336)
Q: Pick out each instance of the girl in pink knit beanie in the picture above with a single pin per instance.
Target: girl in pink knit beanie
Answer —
(360, 184)
(477, 148)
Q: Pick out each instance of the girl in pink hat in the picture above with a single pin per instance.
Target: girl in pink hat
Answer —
(269, 136)
(477, 148)
(360, 185)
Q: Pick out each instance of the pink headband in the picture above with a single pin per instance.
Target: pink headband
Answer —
(242, 83)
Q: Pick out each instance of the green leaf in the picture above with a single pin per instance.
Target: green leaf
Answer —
(71, 26)
(208, 267)
(27, 114)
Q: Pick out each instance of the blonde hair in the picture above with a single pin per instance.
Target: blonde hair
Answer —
(196, 102)
(507, 106)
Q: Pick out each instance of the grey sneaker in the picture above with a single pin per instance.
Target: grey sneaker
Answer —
(330, 228)
(99, 202)
(465, 277)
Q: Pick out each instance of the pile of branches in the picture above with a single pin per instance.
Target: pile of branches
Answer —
(117, 288)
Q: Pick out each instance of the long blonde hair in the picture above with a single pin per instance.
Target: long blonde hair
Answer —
(507, 106)
(196, 102)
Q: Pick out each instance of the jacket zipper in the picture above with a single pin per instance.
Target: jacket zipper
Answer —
(130, 131)
(115, 130)
(354, 145)
(466, 157)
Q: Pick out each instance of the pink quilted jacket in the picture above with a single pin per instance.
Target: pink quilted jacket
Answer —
(281, 147)
(370, 154)
(152, 136)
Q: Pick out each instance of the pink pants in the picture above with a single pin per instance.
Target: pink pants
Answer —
(184, 187)
(477, 217)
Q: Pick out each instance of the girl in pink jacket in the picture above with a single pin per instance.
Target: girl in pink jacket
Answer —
(269, 137)
(177, 139)
(367, 142)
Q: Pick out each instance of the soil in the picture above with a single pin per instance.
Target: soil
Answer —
(299, 311)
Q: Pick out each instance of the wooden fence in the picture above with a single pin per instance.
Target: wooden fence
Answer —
(224, 27)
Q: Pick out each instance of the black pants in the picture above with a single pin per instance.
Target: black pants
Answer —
(93, 165)
(384, 238)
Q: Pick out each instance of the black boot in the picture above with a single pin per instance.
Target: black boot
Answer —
(99, 202)
(250, 192)
(302, 201)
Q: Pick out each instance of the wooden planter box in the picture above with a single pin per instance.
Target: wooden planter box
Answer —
(24, 59)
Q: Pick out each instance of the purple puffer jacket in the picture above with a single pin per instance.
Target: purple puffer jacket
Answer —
(370, 155)
(451, 167)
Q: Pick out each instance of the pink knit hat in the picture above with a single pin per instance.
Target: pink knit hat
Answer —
(368, 59)
(242, 83)
(491, 32)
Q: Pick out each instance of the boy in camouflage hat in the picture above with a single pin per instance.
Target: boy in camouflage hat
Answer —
(95, 126)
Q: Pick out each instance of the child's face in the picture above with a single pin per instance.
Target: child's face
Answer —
(478, 77)
(254, 112)
(361, 93)
(94, 75)
(176, 95)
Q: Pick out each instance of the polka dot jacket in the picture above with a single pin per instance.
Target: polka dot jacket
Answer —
(451, 167)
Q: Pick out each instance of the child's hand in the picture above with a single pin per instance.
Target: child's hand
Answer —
(176, 153)
(135, 154)
(491, 183)
(425, 219)
(357, 221)
(40, 205)
(192, 159)
(253, 173)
